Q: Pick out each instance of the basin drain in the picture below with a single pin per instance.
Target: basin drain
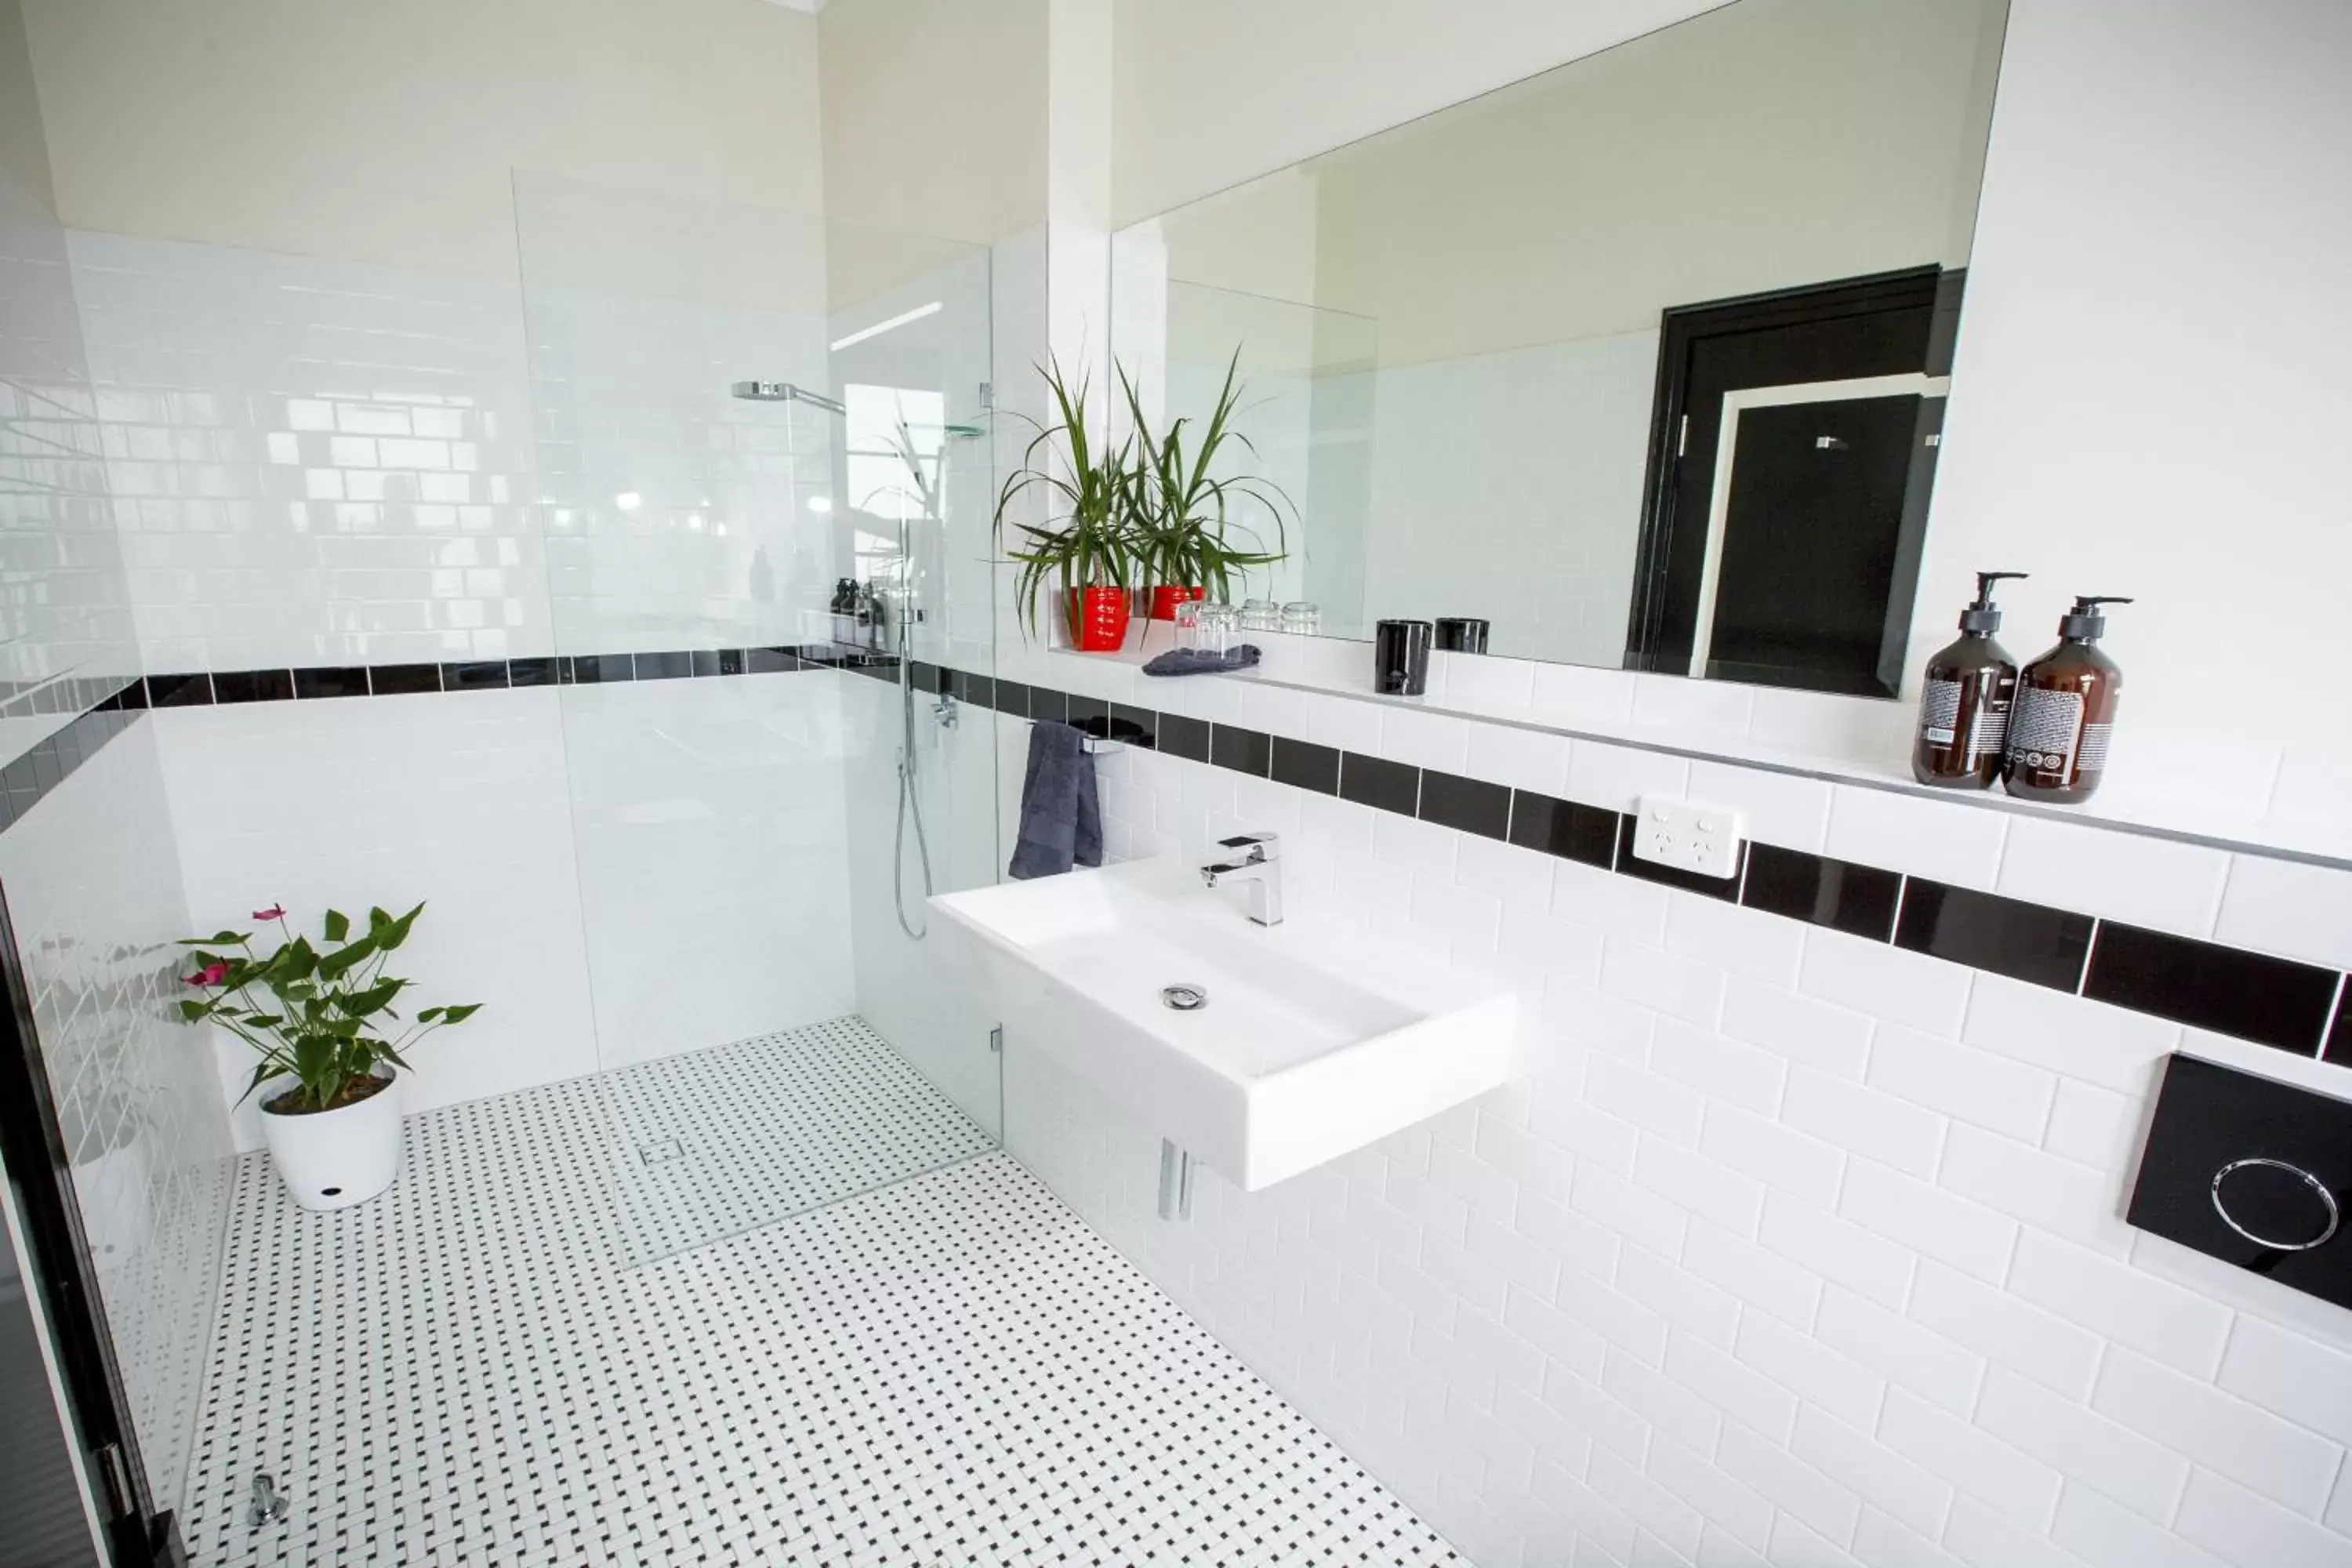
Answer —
(1185, 998)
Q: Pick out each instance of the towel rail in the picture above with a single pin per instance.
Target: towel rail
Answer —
(1095, 745)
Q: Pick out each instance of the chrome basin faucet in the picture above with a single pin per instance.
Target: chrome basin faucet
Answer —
(1261, 868)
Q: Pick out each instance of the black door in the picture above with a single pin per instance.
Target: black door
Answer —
(1824, 558)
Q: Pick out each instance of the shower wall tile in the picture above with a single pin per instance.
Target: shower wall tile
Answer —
(1834, 1290)
(457, 799)
(318, 462)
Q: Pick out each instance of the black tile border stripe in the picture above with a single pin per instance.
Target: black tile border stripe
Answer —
(2302, 1009)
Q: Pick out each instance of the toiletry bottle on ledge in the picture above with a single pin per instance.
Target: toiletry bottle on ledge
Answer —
(1965, 699)
(2066, 711)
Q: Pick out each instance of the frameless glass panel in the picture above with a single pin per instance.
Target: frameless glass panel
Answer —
(753, 443)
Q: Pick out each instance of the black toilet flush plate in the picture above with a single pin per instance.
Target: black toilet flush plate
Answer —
(2253, 1172)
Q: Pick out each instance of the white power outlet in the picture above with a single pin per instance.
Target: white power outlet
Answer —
(1702, 839)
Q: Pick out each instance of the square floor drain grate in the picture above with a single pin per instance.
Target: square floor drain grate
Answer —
(660, 1151)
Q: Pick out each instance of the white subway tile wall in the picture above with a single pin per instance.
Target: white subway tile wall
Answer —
(313, 461)
(1788, 1248)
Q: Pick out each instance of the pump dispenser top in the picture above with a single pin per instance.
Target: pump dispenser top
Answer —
(2084, 623)
(1964, 701)
(1981, 615)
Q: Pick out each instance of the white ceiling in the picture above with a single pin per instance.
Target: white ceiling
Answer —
(810, 7)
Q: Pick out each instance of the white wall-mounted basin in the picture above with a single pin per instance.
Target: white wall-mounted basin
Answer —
(1314, 1041)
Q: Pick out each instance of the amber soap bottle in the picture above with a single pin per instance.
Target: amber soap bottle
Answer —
(1965, 698)
(2066, 711)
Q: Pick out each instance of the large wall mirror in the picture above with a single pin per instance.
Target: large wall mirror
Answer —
(1642, 361)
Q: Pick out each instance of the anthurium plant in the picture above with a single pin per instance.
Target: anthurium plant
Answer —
(314, 1011)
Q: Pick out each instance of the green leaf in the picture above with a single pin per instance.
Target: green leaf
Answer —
(344, 959)
(262, 1073)
(359, 1003)
(338, 925)
(192, 1011)
(459, 1015)
(393, 935)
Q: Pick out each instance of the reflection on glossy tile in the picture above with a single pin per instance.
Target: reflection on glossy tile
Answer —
(1983, 930)
(2248, 995)
(1860, 899)
(1472, 806)
(1565, 829)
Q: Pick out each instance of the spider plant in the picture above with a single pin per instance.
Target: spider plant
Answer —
(1180, 510)
(1084, 538)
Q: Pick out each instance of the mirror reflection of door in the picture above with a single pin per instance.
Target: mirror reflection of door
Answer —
(1793, 445)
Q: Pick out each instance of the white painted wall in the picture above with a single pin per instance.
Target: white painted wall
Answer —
(2148, 399)
(1213, 92)
(344, 129)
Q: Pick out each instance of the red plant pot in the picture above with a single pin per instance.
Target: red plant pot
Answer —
(1165, 598)
(1098, 618)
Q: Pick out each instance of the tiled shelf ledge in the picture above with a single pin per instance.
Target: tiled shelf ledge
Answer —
(1324, 667)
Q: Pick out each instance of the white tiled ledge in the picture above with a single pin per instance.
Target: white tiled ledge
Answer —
(1843, 741)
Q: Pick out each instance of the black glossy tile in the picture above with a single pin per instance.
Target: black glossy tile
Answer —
(1013, 698)
(772, 660)
(1380, 783)
(1563, 827)
(477, 674)
(403, 680)
(2273, 1000)
(133, 697)
(1470, 805)
(1631, 864)
(331, 680)
(1182, 737)
(1305, 765)
(1857, 899)
(539, 671)
(703, 663)
(927, 676)
(1091, 714)
(1047, 706)
(179, 690)
(1247, 752)
(2339, 1036)
(602, 668)
(663, 666)
(730, 661)
(980, 690)
(2005, 936)
(253, 686)
(1135, 726)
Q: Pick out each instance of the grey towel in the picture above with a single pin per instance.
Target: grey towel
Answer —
(1201, 661)
(1061, 817)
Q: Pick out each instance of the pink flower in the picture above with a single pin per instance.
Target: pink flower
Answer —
(211, 974)
(274, 912)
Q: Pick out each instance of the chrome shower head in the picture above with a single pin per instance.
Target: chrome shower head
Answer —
(783, 392)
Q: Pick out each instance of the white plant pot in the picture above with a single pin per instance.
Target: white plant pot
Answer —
(333, 1159)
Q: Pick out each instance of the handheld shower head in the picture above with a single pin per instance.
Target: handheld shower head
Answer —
(785, 392)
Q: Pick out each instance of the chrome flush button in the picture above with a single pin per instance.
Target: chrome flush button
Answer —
(1183, 997)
